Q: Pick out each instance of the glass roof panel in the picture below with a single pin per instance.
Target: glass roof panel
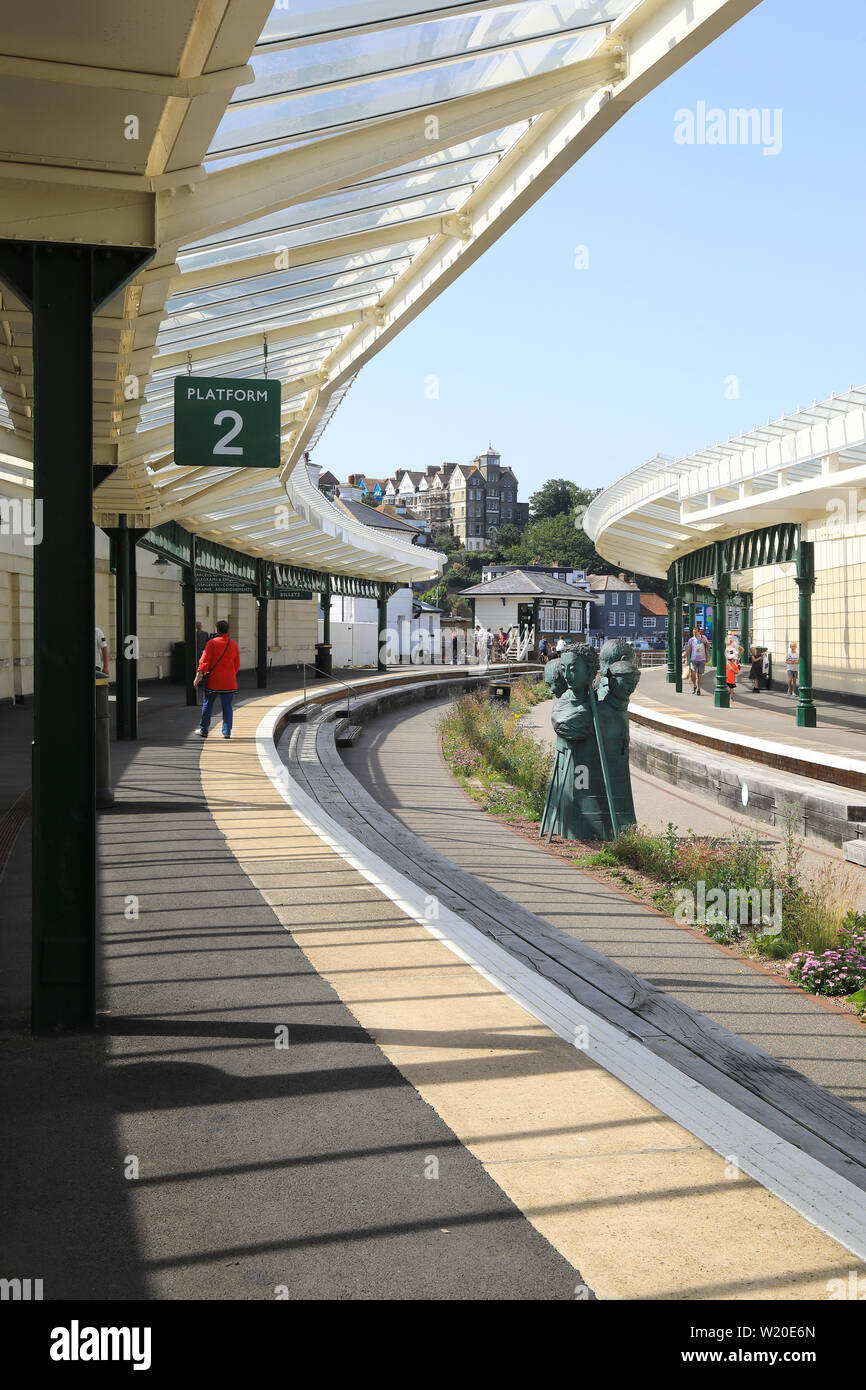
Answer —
(286, 118)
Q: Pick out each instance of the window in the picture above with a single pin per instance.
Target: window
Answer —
(575, 619)
(561, 618)
(614, 598)
(631, 619)
(649, 622)
(629, 598)
(622, 620)
(545, 617)
(611, 620)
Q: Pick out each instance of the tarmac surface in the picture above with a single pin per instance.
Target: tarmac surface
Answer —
(399, 762)
(180, 1152)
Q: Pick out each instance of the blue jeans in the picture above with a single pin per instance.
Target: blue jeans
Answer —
(207, 709)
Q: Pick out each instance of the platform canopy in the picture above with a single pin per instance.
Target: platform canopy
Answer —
(806, 466)
(311, 172)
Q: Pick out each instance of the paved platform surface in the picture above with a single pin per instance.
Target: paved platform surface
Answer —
(258, 1167)
(841, 728)
(421, 1136)
(399, 762)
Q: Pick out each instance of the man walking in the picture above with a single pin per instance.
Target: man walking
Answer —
(218, 668)
(696, 649)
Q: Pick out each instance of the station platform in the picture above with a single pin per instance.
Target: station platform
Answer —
(298, 1089)
(760, 726)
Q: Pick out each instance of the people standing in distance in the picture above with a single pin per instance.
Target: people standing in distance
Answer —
(792, 669)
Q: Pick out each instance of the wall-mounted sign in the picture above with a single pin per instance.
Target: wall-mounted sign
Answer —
(226, 422)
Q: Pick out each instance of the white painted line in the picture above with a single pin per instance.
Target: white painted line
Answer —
(823, 1197)
(764, 745)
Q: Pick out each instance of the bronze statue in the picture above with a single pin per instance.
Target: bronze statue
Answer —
(589, 795)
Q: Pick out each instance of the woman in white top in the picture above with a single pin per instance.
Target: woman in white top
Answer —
(792, 668)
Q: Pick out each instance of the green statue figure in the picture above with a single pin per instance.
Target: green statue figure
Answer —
(554, 678)
(618, 677)
(574, 808)
(584, 778)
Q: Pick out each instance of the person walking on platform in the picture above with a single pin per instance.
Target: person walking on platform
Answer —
(756, 669)
(792, 669)
(201, 640)
(696, 647)
(218, 668)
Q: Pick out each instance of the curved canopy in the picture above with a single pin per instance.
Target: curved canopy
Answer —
(795, 469)
(312, 175)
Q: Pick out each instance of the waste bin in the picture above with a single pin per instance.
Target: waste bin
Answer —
(499, 691)
(102, 760)
(324, 659)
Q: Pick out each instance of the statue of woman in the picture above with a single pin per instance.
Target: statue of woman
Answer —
(575, 796)
(618, 678)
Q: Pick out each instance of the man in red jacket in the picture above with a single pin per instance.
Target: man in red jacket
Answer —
(218, 668)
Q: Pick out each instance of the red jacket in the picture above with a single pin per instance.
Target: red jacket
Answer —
(224, 664)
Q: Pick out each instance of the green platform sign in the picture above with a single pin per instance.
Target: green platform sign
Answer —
(226, 422)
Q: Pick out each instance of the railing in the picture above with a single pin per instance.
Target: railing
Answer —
(306, 666)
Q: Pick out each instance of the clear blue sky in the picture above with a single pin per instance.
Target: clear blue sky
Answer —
(705, 262)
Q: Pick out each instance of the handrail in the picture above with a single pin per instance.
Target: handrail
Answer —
(306, 665)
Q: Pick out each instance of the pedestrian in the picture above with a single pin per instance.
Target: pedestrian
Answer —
(201, 640)
(732, 665)
(101, 653)
(792, 669)
(488, 642)
(501, 643)
(454, 649)
(561, 646)
(756, 669)
(697, 648)
(218, 668)
(542, 651)
(687, 658)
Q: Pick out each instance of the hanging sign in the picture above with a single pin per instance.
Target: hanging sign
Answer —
(226, 422)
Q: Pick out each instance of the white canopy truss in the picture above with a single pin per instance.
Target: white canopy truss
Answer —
(804, 467)
(311, 172)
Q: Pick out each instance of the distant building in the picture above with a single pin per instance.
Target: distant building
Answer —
(654, 619)
(521, 598)
(616, 612)
(328, 484)
(470, 501)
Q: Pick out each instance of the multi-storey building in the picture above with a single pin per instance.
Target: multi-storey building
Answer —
(471, 501)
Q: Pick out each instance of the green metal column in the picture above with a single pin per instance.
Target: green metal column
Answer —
(64, 285)
(744, 627)
(722, 699)
(675, 618)
(382, 624)
(690, 613)
(190, 651)
(326, 611)
(807, 715)
(126, 632)
(673, 650)
(262, 627)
